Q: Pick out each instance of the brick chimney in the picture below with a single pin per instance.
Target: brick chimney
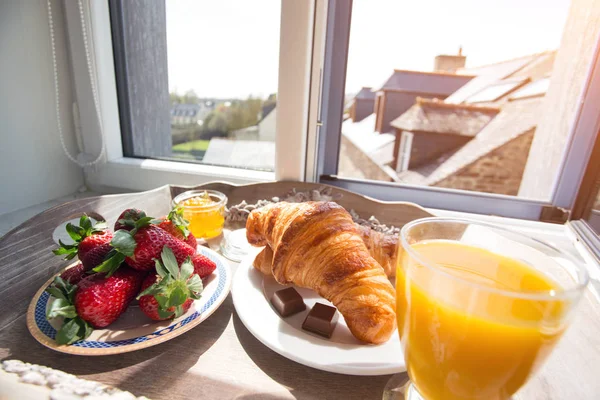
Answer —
(446, 63)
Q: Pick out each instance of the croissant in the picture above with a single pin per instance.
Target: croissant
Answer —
(316, 245)
(383, 248)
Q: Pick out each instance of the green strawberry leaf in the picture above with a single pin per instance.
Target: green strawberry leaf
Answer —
(195, 296)
(56, 293)
(150, 290)
(160, 269)
(68, 333)
(164, 314)
(99, 227)
(75, 232)
(70, 250)
(61, 308)
(127, 222)
(178, 311)
(72, 331)
(111, 263)
(169, 261)
(195, 284)
(176, 217)
(177, 297)
(85, 223)
(123, 242)
(162, 301)
(187, 269)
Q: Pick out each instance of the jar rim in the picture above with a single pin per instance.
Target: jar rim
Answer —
(219, 199)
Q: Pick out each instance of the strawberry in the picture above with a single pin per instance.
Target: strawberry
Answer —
(74, 274)
(96, 301)
(96, 256)
(203, 266)
(150, 307)
(171, 291)
(149, 243)
(128, 218)
(86, 237)
(89, 243)
(100, 300)
(175, 232)
(177, 225)
(141, 246)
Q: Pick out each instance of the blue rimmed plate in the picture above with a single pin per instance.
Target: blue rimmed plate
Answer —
(133, 330)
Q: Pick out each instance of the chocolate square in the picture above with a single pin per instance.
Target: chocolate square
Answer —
(320, 320)
(288, 302)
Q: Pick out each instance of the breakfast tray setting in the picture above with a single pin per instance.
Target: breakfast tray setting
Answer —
(232, 341)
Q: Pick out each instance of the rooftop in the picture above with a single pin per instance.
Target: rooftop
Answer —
(442, 83)
(435, 116)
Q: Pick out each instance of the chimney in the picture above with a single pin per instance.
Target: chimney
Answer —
(446, 63)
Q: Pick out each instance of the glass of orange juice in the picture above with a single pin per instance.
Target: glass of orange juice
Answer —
(479, 307)
(205, 211)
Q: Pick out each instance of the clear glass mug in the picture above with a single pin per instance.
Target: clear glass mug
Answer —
(479, 307)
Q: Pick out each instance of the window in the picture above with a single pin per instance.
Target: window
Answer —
(197, 80)
(481, 94)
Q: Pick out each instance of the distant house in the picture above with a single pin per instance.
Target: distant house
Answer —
(503, 114)
(431, 128)
(362, 105)
(264, 130)
(477, 138)
(185, 114)
(399, 92)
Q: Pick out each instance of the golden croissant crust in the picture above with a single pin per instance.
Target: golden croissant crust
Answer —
(317, 245)
(382, 247)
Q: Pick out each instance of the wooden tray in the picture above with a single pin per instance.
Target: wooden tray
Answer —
(220, 358)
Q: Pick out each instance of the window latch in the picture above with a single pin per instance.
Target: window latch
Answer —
(555, 215)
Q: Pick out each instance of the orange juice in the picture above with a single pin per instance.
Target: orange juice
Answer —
(464, 336)
(205, 215)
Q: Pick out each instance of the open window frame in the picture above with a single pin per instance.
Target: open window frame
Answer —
(110, 73)
(581, 137)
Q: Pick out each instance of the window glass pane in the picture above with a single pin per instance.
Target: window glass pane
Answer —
(222, 61)
(594, 215)
(450, 98)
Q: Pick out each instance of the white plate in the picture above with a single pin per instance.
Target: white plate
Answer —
(133, 330)
(342, 353)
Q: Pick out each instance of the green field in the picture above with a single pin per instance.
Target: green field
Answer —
(195, 145)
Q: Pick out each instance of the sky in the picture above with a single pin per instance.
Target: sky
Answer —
(230, 48)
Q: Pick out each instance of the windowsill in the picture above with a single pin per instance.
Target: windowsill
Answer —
(144, 174)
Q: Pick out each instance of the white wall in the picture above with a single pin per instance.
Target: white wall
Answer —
(33, 168)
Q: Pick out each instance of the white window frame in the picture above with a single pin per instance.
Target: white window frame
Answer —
(313, 49)
(583, 132)
(118, 171)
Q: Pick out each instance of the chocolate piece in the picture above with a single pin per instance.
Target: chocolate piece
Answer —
(288, 302)
(320, 320)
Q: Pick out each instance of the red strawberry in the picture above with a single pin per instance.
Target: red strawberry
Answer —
(149, 305)
(96, 256)
(170, 292)
(86, 237)
(91, 242)
(128, 218)
(150, 241)
(203, 266)
(177, 225)
(96, 301)
(170, 227)
(100, 300)
(74, 274)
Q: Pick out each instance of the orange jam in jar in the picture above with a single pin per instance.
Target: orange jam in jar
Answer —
(205, 210)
